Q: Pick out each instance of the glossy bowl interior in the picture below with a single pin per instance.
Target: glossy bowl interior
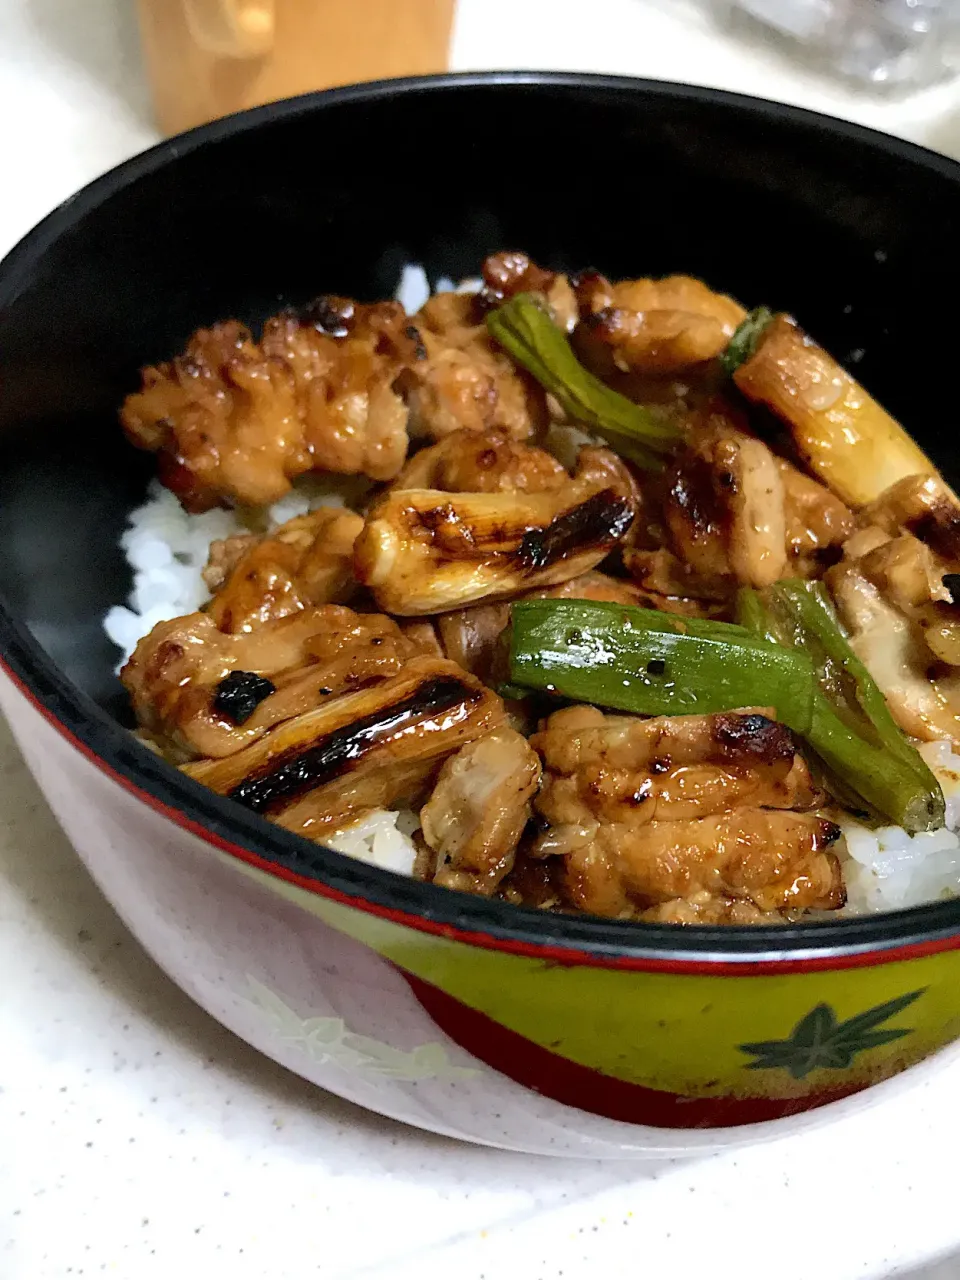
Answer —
(851, 231)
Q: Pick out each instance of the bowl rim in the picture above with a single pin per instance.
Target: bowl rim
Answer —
(486, 923)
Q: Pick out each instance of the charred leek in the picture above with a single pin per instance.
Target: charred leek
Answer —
(852, 730)
(846, 439)
(524, 329)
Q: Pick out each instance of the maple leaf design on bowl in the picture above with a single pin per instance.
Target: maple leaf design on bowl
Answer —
(820, 1040)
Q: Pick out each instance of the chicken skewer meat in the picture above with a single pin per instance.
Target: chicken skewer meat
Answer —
(482, 462)
(509, 273)
(662, 327)
(461, 381)
(199, 691)
(736, 515)
(478, 810)
(307, 561)
(234, 421)
(331, 388)
(644, 812)
(894, 590)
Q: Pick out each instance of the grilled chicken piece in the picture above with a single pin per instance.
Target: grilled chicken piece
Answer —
(307, 561)
(478, 810)
(223, 420)
(916, 582)
(894, 591)
(606, 768)
(462, 380)
(661, 327)
(224, 555)
(509, 273)
(776, 860)
(921, 505)
(674, 586)
(176, 676)
(816, 520)
(647, 811)
(233, 421)
(734, 514)
(909, 548)
(359, 752)
(894, 651)
(423, 551)
(482, 462)
(471, 637)
(724, 508)
(708, 908)
(345, 360)
(902, 568)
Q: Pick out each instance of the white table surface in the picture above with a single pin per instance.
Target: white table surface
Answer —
(138, 1139)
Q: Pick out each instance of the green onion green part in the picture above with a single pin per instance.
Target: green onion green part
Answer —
(746, 339)
(866, 755)
(653, 663)
(526, 331)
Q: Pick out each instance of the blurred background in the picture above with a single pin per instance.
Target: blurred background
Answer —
(83, 85)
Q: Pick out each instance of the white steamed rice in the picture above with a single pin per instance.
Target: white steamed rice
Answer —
(167, 549)
(885, 868)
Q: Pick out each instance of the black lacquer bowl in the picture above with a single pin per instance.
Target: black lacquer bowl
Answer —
(567, 1034)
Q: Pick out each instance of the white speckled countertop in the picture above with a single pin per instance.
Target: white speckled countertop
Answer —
(141, 1140)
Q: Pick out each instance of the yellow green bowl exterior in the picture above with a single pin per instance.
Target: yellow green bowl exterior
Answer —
(675, 1044)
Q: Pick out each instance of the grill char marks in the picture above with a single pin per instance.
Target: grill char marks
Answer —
(426, 551)
(240, 693)
(600, 521)
(702, 494)
(939, 528)
(297, 772)
(753, 737)
(375, 748)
